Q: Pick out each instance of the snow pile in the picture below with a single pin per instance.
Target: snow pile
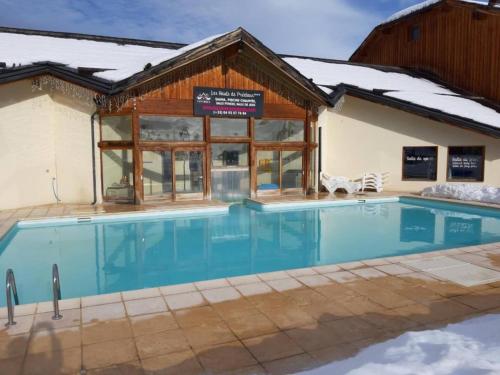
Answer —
(465, 192)
(468, 347)
(400, 86)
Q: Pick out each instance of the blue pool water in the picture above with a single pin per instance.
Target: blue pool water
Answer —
(115, 256)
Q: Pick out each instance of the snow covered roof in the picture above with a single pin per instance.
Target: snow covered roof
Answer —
(394, 84)
(120, 60)
(117, 62)
(428, 3)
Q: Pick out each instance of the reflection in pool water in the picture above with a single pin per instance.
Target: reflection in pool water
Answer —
(116, 256)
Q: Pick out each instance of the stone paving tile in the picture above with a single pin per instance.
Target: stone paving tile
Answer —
(235, 308)
(211, 284)
(288, 316)
(12, 365)
(301, 272)
(225, 357)
(145, 306)
(44, 321)
(253, 289)
(140, 294)
(281, 285)
(65, 304)
(23, 325)
(13, 346)
(19, 310)
(314, 280)
(368, 272)
(394, 269)
(288, 365)
(183, 362)
(467, 274)
(54, 340)
(271, 347)
(206, 335)
(161, 343)
(433, 263)
(109, 353)
(177, 289)
(313, 337)
(483, 300)
(327, 268)
(351, 265)
(375, 262)
(253, 325)
(184, 300)
(220, 294)
(152, 323)
(305, 296)
(204, 315)
(101, 299)
(105, 331)
(103, 312)
(67, 361)
(342, 276)
(268, 276)
(242, 280)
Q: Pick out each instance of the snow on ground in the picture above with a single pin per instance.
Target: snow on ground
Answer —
(122, 60)
(465, 192)
(400, 86)
(465, 348)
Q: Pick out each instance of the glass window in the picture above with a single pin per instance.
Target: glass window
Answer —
(279, 130)
(420, 163)
(116, 128)
(228, 127)
(292, 169)
(268, 170)
(117, 174)
(466, 163)
(189, 172)
(157, 172)
(168, 128)
(229, 155)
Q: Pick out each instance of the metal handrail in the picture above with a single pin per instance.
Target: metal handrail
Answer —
(10, 288)
(56, 292)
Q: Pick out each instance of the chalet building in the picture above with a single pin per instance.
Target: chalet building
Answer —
(456, 41)
(86, 118)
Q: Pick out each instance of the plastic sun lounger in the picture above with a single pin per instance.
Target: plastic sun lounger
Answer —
(334, 183)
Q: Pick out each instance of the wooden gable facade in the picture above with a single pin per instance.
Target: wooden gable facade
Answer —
(456, 41)
(254, 165)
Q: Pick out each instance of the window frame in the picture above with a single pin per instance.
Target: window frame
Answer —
(403, 178)
(483, 156)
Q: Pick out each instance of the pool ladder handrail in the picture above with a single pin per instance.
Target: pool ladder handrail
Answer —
(11, 289)
(56, 292)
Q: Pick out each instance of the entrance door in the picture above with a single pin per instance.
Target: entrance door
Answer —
(157, 174)
(188, 167)
(230, 177)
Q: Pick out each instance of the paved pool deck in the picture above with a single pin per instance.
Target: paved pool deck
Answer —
(278, 323)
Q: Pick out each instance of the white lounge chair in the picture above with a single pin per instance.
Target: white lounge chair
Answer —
(373, 181)
(333, 183)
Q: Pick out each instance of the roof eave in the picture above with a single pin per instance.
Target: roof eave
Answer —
(433, 114)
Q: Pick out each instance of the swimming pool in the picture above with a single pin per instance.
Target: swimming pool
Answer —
(118, 255)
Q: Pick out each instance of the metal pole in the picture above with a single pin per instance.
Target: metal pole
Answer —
(56, 292)
(10, 287)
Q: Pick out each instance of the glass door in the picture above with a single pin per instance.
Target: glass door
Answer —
(188, 167)
(279, 171)
(230, 178)
(157, 174)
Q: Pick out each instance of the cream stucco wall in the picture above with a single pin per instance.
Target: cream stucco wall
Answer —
(44, 136)
(368, 137)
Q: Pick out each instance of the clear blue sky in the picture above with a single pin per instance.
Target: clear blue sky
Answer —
(325, 28)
